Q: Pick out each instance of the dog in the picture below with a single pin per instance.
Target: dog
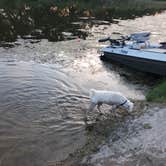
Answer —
(115, 99)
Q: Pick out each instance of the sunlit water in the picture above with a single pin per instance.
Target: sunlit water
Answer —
(44, 92)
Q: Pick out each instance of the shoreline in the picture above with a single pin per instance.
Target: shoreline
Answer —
(98, 137)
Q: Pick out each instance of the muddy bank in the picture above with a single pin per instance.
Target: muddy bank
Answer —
(134, 139)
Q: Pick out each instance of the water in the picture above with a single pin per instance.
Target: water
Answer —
(44, 92)
(41, 114)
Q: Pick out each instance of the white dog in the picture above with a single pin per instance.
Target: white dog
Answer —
(115, 99)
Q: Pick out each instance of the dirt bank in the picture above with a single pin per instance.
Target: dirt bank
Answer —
(134, 139)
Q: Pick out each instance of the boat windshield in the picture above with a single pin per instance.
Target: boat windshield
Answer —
(116, 36)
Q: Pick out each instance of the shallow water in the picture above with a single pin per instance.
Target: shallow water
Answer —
(41, 114)
(44, 92)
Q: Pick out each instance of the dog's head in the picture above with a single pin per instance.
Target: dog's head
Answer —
(129, 106)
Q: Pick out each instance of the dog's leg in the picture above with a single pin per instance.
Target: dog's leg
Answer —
(98, 107)
(114, 107)
(113, 110)
(91, 107)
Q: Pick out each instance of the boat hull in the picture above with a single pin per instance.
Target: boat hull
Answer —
(141, 64)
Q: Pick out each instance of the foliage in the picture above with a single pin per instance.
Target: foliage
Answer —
(158, 93)
(20, 17)
(88, 4)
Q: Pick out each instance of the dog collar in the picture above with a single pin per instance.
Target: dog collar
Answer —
(122, 103)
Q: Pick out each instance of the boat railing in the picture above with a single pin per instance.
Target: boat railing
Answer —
(134, 41)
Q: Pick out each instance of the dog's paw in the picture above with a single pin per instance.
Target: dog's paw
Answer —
(85, 119)
(89, 127)
(97, 119)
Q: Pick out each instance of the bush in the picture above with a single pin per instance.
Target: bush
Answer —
(158, 93)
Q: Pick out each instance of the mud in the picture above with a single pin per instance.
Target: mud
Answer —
(128, 140)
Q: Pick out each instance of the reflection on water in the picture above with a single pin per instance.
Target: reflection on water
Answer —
(42, 105)
(41, 112)
(154, 24)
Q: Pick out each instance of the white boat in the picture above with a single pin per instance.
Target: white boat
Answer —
(137, 52)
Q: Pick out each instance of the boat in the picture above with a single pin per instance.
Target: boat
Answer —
(136, 51)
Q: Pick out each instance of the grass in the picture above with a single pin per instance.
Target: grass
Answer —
(158, 93)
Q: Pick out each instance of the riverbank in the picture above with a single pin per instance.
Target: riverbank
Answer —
(51, 20)
(127, 140)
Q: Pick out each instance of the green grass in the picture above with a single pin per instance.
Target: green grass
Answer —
(158, 93)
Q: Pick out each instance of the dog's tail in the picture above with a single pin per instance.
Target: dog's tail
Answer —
(92, 92)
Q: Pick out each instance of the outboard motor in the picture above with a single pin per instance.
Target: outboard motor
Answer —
(163, 45)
